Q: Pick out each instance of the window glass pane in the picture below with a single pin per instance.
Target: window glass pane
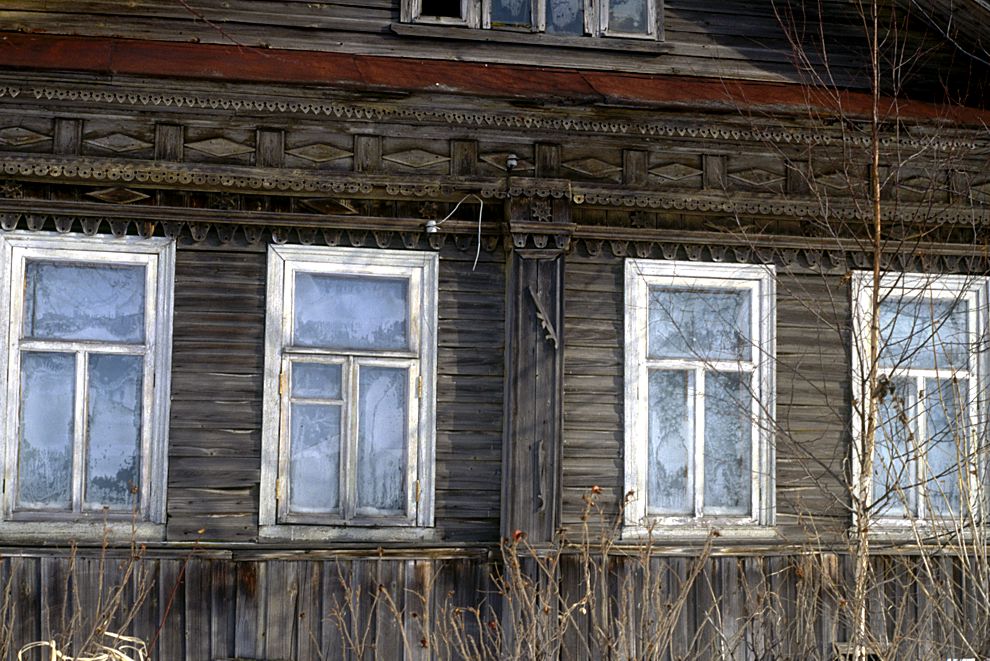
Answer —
(113, 429)
(728, 443)
(893, 469)
(512, 12)
(382, 433)
(565, 16)
(316, 380)
(342, 312)
(314, 464)
(927, 333)
(670, 485)
(708, 324)
(628, 16)
(945, 405)
(48, 382)
(84, 302)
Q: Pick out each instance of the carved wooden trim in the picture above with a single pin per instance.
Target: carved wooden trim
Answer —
(156, 98)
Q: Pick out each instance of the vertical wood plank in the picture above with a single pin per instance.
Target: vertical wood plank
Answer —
(169, 142)
(714, 168)
(27, 593)
(250, 609)
(68, 136)
(281, 610)
(367, 153)
(389, 602)
(198, 608)
(222, 597)
(634, 163)
(308, 617)
(149, 615)
(463, 157)
(335, 618)
(547, 160)
(55, 601)
(269, 151)
(172, 597)
(419, 581)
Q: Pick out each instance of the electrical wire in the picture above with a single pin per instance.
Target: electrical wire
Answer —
(481, 209)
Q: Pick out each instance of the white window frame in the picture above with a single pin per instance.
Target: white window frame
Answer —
(157, 255)
(420, 269)
(760, 282)
(913, 286)
(477, 13)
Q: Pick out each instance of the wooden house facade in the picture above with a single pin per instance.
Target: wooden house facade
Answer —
(360, 291)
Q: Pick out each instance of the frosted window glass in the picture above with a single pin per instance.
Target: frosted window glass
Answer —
(945, 402)
(926, 334)
(629, 16)
(709, 324)
(728, 443)
(113, 429)
(382, 438)
(512, 12)
(671, 432)
(893, 470)
(46, 417)
(316, 380)
(342, 312)
(565, 16)
(84, 302)
(314, 470)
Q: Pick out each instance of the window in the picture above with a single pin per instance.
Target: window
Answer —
(86, 366)
(621, 18)
(699, 395)
(349, 382)
(929, 374)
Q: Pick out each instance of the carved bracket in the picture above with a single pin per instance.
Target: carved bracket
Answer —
(541, 314)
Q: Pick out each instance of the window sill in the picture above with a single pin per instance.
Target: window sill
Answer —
(665, 534)
(48, 532)
(520, 38)
(311, 533)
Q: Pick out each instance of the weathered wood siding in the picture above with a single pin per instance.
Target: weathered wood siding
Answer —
(218, 354)
(734, 39)
(203, 608)
(813, 405)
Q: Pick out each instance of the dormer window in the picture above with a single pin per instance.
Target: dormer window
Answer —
(613, 18)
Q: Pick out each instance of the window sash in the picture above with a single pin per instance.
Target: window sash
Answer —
(641, 276)
(912, 288)
(155, 256)
(418, 360)
(349, 512)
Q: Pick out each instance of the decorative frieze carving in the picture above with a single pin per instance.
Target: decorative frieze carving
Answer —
(155, 98)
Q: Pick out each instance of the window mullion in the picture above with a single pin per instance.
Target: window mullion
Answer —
(919, 458)
(539, 16)
(79, 431)
(349, 449)
(699, 441)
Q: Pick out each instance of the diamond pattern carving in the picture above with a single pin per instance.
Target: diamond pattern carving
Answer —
(757, 177)
(675, 171)
(118, 195)
(18, 136)
(593, 167)
(319, 152)
(220, 147)
(118, 142)
(497, 160)
(416, 158)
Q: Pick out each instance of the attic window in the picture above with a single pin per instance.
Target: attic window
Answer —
(636, 19)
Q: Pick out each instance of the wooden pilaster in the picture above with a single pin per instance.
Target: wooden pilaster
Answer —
(539, 235)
